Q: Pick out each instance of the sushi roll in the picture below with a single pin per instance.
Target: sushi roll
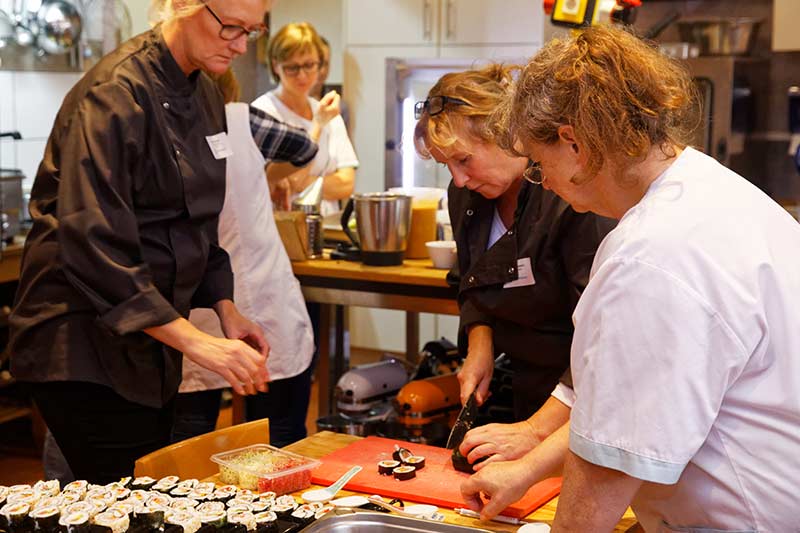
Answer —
(240, 508)
(147, 518)
(207, 487)
(326, 508)
(158, 500)
(28, 496)
(401, 454)
(78, 487)
(199, 496)
(259, 506)
(417, 461)
(246, 518)
(122, 507)
(142, 483)
(188, 483)
(48, 488)
(284, 510)
(245, 494)
(75, 522)
(266, 522)
(217, 518)
(180, 491)
(166, 484)
(125, 481)
(116, 521)
(180, 521)
(46, 518)
(183, 504)
(385, 468)
(404, 473)
(16, 517)
(3, 494)
(303, 515)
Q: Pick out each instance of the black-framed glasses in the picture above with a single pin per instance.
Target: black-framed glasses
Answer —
(435, 105)
(231, 32)
(533, 172)
(293, 70)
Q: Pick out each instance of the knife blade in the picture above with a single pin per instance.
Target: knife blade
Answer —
(464, 422)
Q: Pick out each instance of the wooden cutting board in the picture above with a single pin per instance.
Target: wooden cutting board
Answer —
(438, 483)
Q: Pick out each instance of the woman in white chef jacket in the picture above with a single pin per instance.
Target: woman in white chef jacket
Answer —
(295, 55)
(263, 280)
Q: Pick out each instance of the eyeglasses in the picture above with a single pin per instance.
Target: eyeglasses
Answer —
(293, 70)
(533, 172)
(435, 105)
(231, 32)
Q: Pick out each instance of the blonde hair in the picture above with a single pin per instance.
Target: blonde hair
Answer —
(483, 90)
(229, 86)
(294, 38)
(619, 93)
(164, 10)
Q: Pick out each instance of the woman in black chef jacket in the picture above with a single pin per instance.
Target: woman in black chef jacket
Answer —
(123, 244)
(523, 254)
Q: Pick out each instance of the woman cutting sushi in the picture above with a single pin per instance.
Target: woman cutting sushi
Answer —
(124, 244)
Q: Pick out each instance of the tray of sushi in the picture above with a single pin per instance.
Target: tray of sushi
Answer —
(147, 505)
(265, 468)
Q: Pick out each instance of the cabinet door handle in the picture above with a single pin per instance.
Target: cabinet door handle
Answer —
(451, 20)
(427, 20)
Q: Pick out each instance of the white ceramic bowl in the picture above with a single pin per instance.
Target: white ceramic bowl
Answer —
(442, 253)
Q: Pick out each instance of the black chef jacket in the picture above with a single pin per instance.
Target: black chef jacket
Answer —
(125, 208)
(531, 324)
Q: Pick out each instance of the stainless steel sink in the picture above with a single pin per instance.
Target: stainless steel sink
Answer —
(347, 521)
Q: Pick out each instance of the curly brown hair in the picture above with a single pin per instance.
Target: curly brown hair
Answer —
(619, 93)
(483, 90)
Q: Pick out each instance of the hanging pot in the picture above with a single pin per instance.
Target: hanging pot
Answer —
(59, 25)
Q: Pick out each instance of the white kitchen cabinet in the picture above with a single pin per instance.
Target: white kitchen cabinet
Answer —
(391, 22)
(442, 23)
(498, 52)
(785, 14)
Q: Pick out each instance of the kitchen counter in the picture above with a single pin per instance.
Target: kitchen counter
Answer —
(325, 442)
(10, 261)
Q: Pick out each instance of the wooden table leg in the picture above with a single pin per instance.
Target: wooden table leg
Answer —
(412, 337)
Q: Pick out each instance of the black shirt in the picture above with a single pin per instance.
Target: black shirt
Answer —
(532, 324)
(125, 208)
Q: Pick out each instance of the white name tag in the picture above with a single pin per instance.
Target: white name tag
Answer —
(524, 274)
(220, 146)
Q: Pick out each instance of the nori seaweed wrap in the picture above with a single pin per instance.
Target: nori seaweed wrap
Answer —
(46, 518)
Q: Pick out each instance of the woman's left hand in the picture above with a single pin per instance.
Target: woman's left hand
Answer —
(236, 326)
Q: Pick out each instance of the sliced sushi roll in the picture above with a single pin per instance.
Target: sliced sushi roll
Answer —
(246, 518)
(75, 522)
(199, 496)
(3, 494)
(122, 507)
(266, 522)
(16, 517)
(284, 510)
(48, 501)
(46, 518)
(207, 486)
(125, 481)
(326, 508)
(158, 500)
(245, 494)
(259, 506)
(417, 461)
(13, 489)
(240, 507)
(79, 486)
(189, 483)
(48, 488)
(78, 507)
(386, 467)
(22, 495)
(187, 521)
(180, 491)
(138, 496)
(404, 473)
(211, 507)
(183, 503)
(147, 518)
(217, 518)
(166, 484)
(116, 521)
(303, 515)
(142, 483)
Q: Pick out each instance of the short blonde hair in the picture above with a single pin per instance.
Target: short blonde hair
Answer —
(483, 90)
(620, 94)
(229, 86)
(294, 38)
(164, 10)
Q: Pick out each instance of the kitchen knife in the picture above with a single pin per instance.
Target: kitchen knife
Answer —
(464, 422)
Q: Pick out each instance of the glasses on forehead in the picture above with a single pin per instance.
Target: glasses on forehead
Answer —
(231, 32)
(435, 105)
(533, 172)
(294, 69)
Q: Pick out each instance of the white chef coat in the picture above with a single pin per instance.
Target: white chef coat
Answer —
(265, 289)
(335, 149)
(686, 354)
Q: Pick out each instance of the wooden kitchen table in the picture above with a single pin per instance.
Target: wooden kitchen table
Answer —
(325, 442)
(414, 287)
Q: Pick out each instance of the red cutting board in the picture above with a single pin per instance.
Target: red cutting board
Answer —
(438, 483)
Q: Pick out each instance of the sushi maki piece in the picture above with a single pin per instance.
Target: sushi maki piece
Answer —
(116, 521)
(417, 461)
(183, 504)
(404, 473)
(78, 507)
(78, 487)
(142, 483)
(166, 484)
(181, 491)
(385, 468)
(284, 510)
(266, 522)
(180, 521)
(158, 500)
(75, 522)
(401, 454)
(325, 509)
(461, 463)
(147, 519)
(246, 518)
(211, 507)
(3, 494)
(216, 518)
(16, 517)
(23, 495)
(259, 506)
(48, 488)
(125, 481)
(121, 507)
(303, 515)
(46, 518)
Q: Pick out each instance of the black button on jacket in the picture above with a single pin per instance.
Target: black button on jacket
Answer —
(125, 208)
(532, 323)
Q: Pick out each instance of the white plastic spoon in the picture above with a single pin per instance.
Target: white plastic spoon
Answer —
(323, 495)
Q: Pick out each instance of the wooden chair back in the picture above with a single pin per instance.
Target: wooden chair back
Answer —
(191, 458)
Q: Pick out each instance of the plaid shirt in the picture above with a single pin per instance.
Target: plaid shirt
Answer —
(281, 142)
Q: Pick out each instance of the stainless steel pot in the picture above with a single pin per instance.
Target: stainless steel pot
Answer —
(382, 222)
(720, 36)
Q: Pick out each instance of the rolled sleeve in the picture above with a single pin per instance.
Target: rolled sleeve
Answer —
(98, 234)
(651, 363)
(564, 394)
(280, 142)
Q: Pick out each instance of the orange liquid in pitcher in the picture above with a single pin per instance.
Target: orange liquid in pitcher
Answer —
(423, 228)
